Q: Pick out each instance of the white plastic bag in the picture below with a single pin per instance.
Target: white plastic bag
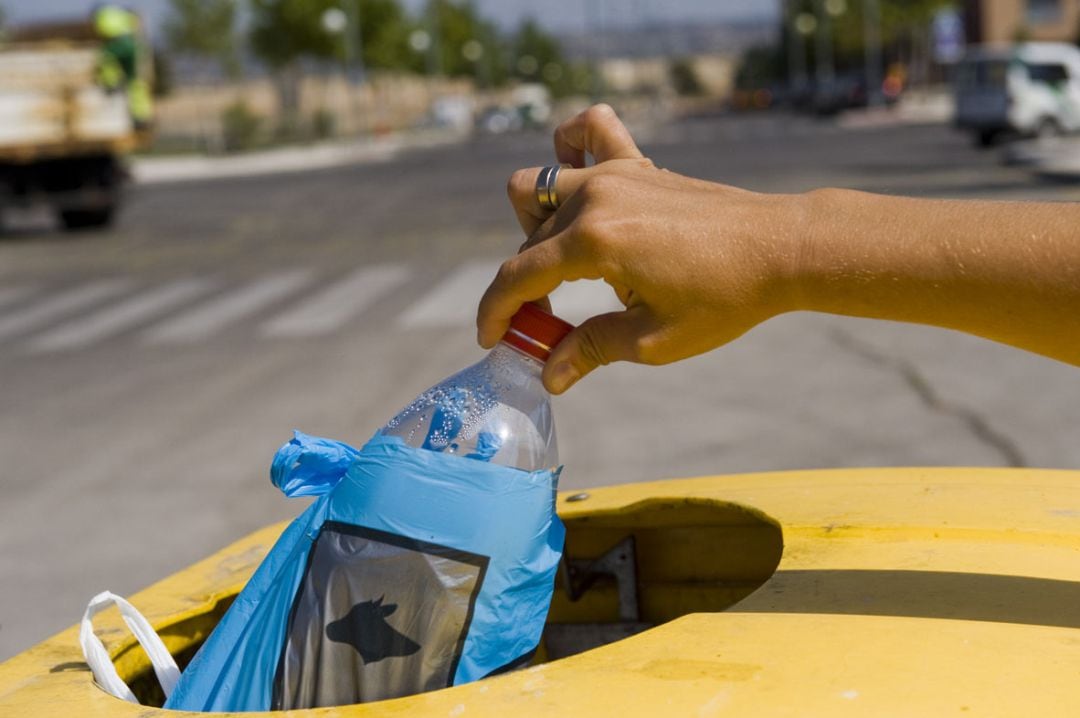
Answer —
(98, 658)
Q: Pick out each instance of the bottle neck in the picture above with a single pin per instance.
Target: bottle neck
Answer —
(526, 345)
(513, 351)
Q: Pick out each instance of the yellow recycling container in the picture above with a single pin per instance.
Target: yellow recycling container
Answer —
(870, 592)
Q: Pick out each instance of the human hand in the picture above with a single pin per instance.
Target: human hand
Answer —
(696, 264)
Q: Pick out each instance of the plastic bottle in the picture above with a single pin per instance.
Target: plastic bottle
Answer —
(496, 410)
(417, 572)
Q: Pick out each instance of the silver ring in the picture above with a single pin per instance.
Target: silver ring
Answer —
(546, 194)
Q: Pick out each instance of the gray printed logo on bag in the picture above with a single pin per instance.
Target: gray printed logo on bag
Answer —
(363, 627)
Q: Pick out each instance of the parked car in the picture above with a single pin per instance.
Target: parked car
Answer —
(498, 120)
(1030, 89)
(843, 92)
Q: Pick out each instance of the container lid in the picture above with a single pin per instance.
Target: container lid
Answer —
(535, 332)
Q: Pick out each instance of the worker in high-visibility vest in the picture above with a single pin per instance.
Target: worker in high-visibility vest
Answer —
(122, 58)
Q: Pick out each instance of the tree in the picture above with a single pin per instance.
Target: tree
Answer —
(204, 29)
(898, 19)
(684, 77)
(759, 67)
(467, 45)
(384, 36)
(164, 79)
(533, 50)
(904, 29)
(537, 57)
(282, 33)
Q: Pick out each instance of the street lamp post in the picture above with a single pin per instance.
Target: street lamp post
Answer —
(824, 70)
(594, 20)
(420, 42)
(796, 50)
(473, 52)
(354, 42)
(805, 25)
(345, 23)
(435, 65)
(872, 50)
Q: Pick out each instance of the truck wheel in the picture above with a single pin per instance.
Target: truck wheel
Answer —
(1047, 128)
(985, 138)
(77, 219)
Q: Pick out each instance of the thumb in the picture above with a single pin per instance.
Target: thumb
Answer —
(595, 342)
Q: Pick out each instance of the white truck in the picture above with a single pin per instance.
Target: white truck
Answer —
(1031, 89)
(62, 135)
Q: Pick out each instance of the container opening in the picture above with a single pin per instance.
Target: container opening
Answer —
(627, 571)
(623, 572)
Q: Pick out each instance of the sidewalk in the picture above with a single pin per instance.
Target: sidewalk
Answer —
(1054, 158)
(916, 107)
(155, 170)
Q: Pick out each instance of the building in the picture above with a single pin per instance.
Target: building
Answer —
(1011, 20)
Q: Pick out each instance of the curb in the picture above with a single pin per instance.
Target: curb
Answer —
(155, 170)
(1054, 159)
(922, 108)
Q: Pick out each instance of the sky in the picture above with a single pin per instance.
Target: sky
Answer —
(508, 13)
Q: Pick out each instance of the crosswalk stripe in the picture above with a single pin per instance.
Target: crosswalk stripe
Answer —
(58, 305)
(205, 320)
(116, 318)
(452, 303)
(577, 301)
(332, 307)
(10, 295)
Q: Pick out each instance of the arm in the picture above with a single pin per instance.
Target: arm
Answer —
(697, 264)
(1008, 271)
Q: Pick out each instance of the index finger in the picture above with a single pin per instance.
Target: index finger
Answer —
(528, 276)
(598, 131)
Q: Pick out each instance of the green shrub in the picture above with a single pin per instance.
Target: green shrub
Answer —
(684, 77)
(323, 124)
(240, 127)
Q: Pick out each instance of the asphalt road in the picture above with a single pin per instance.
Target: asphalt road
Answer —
(148, 373)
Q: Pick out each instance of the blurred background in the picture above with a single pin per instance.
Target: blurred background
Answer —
(221, 220)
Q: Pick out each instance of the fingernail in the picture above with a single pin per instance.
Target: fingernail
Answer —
(563, 376)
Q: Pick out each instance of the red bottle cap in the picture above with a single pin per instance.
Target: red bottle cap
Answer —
(535, 332)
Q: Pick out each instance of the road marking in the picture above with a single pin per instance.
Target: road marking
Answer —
(332, 307)
(119, 317)
(10, 295)
(452, 303)
(60, 304)
(205, 320)
(577, 301)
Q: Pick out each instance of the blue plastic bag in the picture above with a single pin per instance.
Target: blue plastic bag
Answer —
(414, 570)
